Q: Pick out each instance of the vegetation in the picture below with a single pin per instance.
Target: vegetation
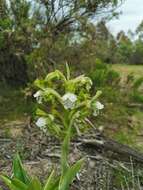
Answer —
(36, 35)
(40, 37)
(72, 118)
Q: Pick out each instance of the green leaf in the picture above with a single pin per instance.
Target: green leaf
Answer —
(69, 176)
(49, 181)
(54, 93)
(51, 184)
(55, 129)
(98, 93)
(55, 75)
(8, 182)
(65, 151)
(19, 171)
(40, 112)
(34, 185)
(55, 185)
(39, 84)
(19, 184)
(68, 71)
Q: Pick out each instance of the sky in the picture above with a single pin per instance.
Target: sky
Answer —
(131, 17)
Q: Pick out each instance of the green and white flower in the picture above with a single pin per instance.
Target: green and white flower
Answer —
(41, 122)
(38, 96)
(99, 106)
(69, 100)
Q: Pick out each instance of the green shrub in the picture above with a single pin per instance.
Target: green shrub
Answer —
(137, 94)
(112, 77)
(103, 75)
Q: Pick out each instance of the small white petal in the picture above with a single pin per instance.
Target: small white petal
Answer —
(95, 113)
(72, 97)
(41, 122)
(39, 100)
(78, 176)
(37, 94)
(69, 100)
(99, 106)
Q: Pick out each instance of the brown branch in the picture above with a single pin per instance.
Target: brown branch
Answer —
(119, 151)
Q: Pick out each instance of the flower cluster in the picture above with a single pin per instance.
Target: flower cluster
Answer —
(68, 99)
(57, 111)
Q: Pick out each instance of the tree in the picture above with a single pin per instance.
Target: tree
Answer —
(137, 55)
(63, 14)
(124, 48)
(14, 41)
(65, 20)
(139, 30)
(99, 42)
(43, 31)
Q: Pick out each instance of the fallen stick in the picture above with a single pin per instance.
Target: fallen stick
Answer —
(119, 151)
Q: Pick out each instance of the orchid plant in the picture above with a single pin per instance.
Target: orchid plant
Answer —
(65, 103)
(64, 109)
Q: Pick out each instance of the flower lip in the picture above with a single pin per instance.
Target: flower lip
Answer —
(99, 106)
(72, 97)
(69, 100)
(37, 94)
(41, 122)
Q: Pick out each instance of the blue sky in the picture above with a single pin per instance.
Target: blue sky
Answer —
(132, 15)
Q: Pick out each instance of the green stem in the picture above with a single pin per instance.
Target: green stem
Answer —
(65, 150)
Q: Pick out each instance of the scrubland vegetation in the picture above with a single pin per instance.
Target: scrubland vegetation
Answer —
(69, 90)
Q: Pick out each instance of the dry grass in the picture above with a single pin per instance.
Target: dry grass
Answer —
(125, 70)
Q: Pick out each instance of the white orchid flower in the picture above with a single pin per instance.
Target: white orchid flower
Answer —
(41, 122)
(69, 100)
(99, 106)
(38, 96)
